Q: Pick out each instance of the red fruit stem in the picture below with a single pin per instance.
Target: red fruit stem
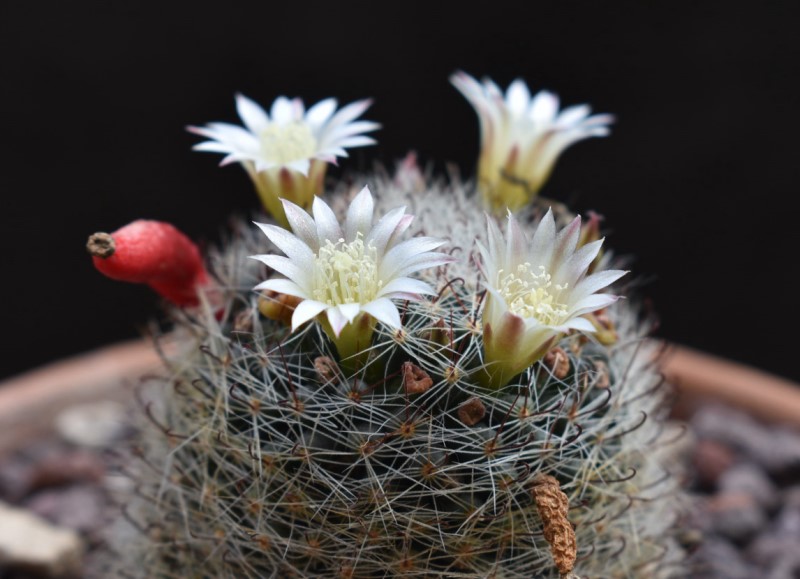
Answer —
(154, 253)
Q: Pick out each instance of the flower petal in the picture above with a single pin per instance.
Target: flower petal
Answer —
(306, 310)
(579, 324)
(327, 226)
(286, 267)
(294, 249)
(383, 310)
(577, 264)
(403, 253)
(319, 114)
(359, 215)
(517, 242)
(409, 287)
(543, 107)
(336, 319)
(252, 115)
(282, 111)
(518, 97)
(543, 241)
(302, 225)
(349, 311)
(566, 241)
(383, 231)
(282, 286)
(596, 282)
(592, 303)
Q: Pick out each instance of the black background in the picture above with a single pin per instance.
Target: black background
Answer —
(698, 180)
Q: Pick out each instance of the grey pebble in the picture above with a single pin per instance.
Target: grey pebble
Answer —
(718, 559)
(747, 478)
(734, 516)
(80, 507)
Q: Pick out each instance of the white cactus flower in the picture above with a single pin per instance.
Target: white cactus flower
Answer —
(537, 291)
(286, 151)
(522, 137)
(350, 273)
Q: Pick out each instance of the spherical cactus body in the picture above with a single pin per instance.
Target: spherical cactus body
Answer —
(267, 453)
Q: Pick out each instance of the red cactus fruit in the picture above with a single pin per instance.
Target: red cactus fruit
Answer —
(154, 253)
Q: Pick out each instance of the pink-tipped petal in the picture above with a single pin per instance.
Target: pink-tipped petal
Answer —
(383, 231)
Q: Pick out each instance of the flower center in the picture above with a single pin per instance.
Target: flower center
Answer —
(531, 294)
(288, 142)
(346, 273)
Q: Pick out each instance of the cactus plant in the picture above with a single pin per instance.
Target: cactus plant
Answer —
(296, 434)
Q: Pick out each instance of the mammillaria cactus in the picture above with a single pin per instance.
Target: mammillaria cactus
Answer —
(376, 407)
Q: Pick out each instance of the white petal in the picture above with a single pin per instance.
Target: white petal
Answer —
(213, 147)
(282, 111)
(518, 97)
(406, 285)
(496, 245)
(282, 286)
(383, 310)
(359, 215)
(578, 263)
(349, 311)
(349, 113)
(516, 243)
(252, 115)
(327, 225)
(572, 115)
(596, 282)
(319, 114)
(285, 266)
(358, 141)
(351, 129)
(302, 225)
(401, 228)
(235, 158)
(543, 242)
(423, 261)
(382, 232)
(467, 86)
(330, 152)
(544, 107)
(336, 320)
(580, 324)
(238, 138)
(597, 120)
(566, 241)
(407, 250)
(294, 249)
(301, 166)
(592, 303)
(306, 310)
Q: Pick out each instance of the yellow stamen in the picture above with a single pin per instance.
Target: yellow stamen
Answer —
(532, 295)
(286, 143)
(346, 273)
